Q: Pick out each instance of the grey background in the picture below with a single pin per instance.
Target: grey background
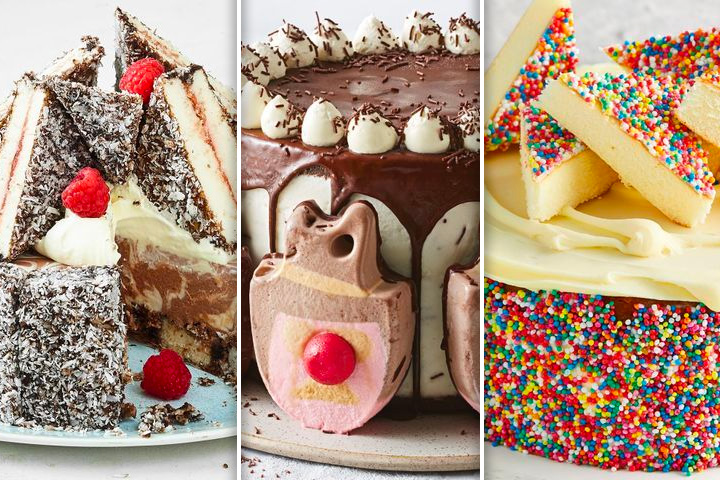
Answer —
(602, 22)
(260, 17)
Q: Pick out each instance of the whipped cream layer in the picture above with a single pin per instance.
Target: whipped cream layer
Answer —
(136, 218)
(617, 244)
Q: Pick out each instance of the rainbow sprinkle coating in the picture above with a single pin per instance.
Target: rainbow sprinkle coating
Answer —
(554, 54)
(607, 382)
(644, 105)
(686, 56)
(547, 143)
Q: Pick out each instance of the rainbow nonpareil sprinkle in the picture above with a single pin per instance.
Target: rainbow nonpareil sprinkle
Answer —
(643, 105)
(555, 53)
(685, 56)
(608, 382)
(547, 143)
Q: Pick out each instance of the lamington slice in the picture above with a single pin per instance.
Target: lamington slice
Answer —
(187, 157)
(78, 65)
(627, 120)
(72, 347)
(541, 47)
(40, 153)
(558, 169)
(109, 123)
(11, 280)
(136, 41)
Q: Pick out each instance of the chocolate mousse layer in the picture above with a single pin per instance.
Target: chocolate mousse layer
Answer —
(183, 304)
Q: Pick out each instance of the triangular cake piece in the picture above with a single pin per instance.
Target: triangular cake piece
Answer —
(541, 47)
(79, 65)
(627, 120)
(136, 41)
(109, 123)
(40, 153)
(187, 157)
(699, 108)
(558, 169)
(686, 56)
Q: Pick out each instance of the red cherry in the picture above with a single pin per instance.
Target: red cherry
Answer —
(329, 358)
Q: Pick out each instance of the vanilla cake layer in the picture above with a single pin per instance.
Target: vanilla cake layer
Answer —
(632, 159)
(557, 169)
(189, 305)
(699, 109)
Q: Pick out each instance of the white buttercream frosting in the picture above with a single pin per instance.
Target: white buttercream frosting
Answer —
(254, 66)
(373, 36)
(280, 119)
(323, 125)
(421, 33)
(468, 120)
(294, 45)
(275, 63)
(332, 43)
(253, 99)
(425, 133)
(463, 37)
(369, 132)
(136, 218)
(79, 241)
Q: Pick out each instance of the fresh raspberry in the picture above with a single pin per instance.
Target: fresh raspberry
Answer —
(165, 376)
(140, 77)
(329, 358)
(87, 195)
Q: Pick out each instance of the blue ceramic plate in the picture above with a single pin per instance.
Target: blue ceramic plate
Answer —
(217, 402)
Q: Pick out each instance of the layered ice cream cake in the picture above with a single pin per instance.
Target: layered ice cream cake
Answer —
(392, 120)
(601, 259)
(117, 221)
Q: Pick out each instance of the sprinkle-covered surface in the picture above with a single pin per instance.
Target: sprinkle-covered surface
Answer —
(556, 52)
(686, 56)
(643, 106)
(548, 144)
(713, 78)
(608, 382)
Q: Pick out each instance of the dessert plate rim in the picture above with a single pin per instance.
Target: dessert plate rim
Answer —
(413, 445)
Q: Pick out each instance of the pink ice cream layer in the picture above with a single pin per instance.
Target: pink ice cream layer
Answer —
(287, 374)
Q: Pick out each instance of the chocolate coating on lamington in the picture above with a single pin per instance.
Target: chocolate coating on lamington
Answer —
(11, 279)
(58, 153)
(109, 123)
(72, 343)
(83, 70)
(164, 171)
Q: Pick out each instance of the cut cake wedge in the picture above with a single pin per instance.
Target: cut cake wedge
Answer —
(109, 123)
(40, 154)
(541, 47)
(627, 120)
(558, 169)
(136, 41)
(187, 157)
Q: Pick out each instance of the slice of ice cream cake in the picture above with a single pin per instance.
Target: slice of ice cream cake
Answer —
(40, 153)
(109, 123)
(558, 169)
(627, 120)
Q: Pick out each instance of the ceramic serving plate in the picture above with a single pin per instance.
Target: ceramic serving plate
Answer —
(217, 402)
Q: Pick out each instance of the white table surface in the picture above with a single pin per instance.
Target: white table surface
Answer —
(34, 33)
